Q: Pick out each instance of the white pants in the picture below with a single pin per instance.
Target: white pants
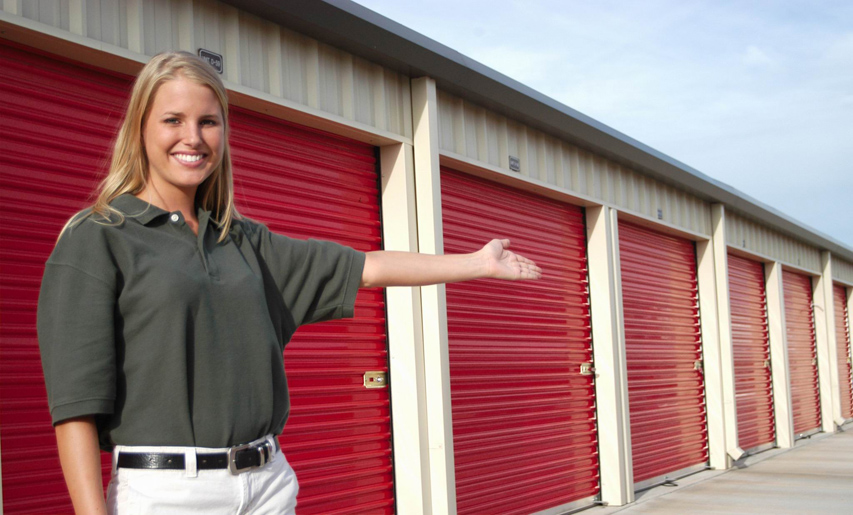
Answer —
(270, 489)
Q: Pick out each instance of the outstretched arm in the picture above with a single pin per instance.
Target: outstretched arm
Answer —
(494, 260)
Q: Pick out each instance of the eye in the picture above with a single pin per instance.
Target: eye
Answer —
(171, 121)
(210, 123)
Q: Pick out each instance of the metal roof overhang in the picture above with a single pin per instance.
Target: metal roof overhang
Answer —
(356, 29)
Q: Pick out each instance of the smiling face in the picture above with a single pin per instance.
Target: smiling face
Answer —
(184, 138)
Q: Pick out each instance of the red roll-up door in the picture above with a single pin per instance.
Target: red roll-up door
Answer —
(524, 431)
(306, 183)
(845, 358)
(751, 347)
(664, 352)
(57, 120)
(802, 352)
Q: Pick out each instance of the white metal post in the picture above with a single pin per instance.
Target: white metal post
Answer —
(724, 324)
(433, 298)
(405, 336)
(608, 345)
(706, 278)
(827, 363)
(779, 355)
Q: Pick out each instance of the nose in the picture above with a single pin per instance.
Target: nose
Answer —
(192, 135)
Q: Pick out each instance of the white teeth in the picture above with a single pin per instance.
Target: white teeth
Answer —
(187, 158)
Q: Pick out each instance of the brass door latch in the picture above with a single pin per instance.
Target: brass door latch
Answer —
(587, 369)
(375, 379)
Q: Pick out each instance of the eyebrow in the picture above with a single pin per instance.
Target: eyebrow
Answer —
(180, 114)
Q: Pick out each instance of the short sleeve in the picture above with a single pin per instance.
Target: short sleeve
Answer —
(318, 280)
(76, 319)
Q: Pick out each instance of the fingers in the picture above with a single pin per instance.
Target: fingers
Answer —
(526, 262)
(527, 268)
(515, 266)
(531, 271)
(522, 259)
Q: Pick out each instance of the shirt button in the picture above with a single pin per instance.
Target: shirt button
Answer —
(175, 217)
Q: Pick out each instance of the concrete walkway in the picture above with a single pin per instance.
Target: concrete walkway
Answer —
(815, 477)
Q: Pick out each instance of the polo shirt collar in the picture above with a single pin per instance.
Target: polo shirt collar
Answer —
(145, 213)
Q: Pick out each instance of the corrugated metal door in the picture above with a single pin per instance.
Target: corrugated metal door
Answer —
(306, 183)
(845, 358)
(751, 346)
(802, 352)
(57, 123)
(524, 432)
(664, 352)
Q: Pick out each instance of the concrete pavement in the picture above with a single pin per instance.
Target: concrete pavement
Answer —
(815, 477)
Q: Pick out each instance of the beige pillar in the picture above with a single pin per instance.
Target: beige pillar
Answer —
(135, 31)
(405, 336)
(608, 337)
(712, 363)
(779, 355)
(724, 324)
(433, 298)
(827, 360)
(77, 17)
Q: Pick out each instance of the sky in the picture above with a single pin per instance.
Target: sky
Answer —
(756, 94)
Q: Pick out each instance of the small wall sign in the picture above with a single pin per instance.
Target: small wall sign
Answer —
(212, 59)
(514, 164)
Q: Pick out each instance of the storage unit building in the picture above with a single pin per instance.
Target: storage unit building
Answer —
(679, 325)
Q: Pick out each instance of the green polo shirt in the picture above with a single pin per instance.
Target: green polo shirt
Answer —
(169, 338)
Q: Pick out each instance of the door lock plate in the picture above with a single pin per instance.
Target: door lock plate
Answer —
(375, 379)
(587, 369)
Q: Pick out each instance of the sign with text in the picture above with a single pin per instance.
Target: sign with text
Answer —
(212, 59)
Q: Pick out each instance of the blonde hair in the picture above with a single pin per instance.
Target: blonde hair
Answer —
(128, 170)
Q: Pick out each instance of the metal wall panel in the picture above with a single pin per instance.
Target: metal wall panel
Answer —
(58, 121)
(663, 345)
(802, 352)
(845, 353)
(842, 270)
(476, 133)
(748, 235)
(751, 349)
(257, 54)
(524, 431)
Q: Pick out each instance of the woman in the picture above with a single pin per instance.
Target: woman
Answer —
(163, 314)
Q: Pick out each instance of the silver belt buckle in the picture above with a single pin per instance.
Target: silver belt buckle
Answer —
(232, 457)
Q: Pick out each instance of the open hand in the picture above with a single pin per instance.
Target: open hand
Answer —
(501, 263)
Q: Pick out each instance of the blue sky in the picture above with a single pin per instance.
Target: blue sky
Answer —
(756, 94)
